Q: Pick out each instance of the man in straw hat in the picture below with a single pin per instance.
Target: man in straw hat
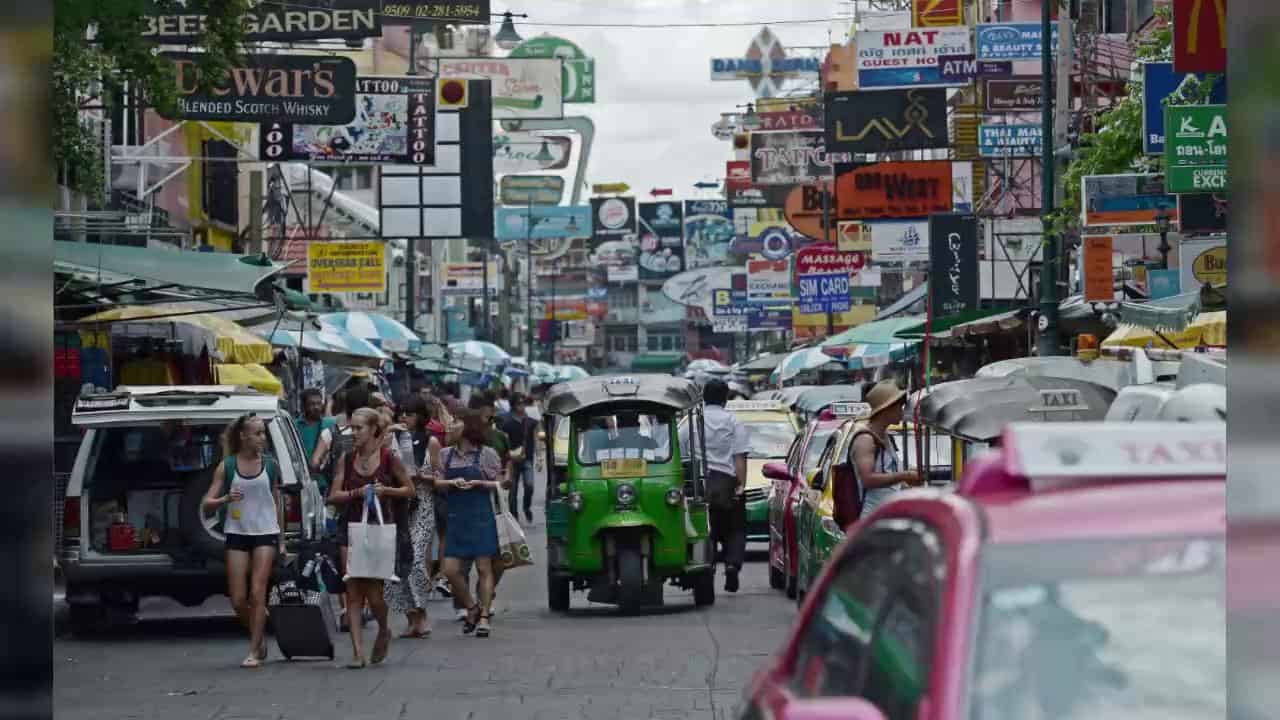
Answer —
(874, 456)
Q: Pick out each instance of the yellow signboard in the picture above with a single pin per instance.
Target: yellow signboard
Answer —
(335, 267)
(623, 468)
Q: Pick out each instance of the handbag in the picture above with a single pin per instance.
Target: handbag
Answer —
(513, 548)
(371, 549)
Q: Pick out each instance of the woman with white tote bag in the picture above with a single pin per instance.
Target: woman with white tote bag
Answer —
(364, 481)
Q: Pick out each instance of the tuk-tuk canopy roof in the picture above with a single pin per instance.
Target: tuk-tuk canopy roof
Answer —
(574, 397)
(979, 408)
(815, 399)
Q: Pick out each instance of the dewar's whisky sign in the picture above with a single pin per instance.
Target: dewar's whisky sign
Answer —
(306, 89)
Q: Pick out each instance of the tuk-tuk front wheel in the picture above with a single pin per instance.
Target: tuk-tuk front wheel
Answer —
(630, 578)
(704, 589)
(557, 592)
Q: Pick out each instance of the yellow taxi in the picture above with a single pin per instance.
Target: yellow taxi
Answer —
(772, 428)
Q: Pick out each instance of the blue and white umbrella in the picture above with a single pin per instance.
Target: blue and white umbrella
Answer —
(326, 340)
(543, 373)
(569, 373)
(388, 334)
(491, 355)
(870, 355)
(802, 360)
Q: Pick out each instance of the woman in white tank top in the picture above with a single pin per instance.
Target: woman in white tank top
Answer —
(246, 488)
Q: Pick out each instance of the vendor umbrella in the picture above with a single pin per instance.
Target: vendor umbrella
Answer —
(543, 373)
(327, 340)
(388, 334)
(491, 355)
(801, 360)
(569, 373)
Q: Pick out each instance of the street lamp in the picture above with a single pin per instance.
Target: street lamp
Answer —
(751, 121)
(1162, 226)
(507, 37)
(544, 154)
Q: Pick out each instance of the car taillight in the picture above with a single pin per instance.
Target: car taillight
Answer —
(292, 510)
(71, 517)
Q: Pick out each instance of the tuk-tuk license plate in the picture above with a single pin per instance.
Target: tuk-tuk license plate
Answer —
(622, 468)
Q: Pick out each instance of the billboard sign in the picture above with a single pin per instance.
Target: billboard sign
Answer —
(1013, 95)
(1095, 267)
(1202, 213)
(1010, 140)
(900, 242)
(792, 158)
(769, 281)
(737, 175)
(708, 232)
(273, 21)
(268, 88)
(346, 267)
(549, 222)
(886, 120)
(395, 123)
(937, 13)
(523, 88)
(1200, 36)
(765, 65)
(612, 217)
(1202, 262)
(661, 232)
(1011, 41)
(521, 152)
(894, 190)
(1195, 156)
(1161, 86)
(788, 120)
(466, 279)
(1125, 199)
(965, 69)
(578, 76)
(531, 190)
(953, 263)
(908, 57)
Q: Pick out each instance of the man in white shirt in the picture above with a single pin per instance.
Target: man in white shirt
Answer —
(727, 444)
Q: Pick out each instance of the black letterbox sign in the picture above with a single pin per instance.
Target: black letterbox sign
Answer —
(304, 89)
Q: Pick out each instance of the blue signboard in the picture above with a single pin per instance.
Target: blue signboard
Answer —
(1010, 41)
(825, 292)
(1010, 140)
(965, 68)
(1159, 81)
(733, 303)
(775, 317)
(549, 221)
(1163, 283)
(729, 303)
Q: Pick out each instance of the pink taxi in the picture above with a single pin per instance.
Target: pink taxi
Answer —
(1077, 571)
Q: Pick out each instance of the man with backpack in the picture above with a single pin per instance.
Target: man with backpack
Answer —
(312, 424)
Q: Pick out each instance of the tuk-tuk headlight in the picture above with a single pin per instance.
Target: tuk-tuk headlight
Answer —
(575, 501)
(626, 494)
(674, 496)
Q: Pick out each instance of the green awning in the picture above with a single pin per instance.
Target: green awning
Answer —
(213, 271)
(941, 325)
(657, 362)
(877, 332)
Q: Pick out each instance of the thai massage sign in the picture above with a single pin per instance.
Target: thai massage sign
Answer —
(909, 57)
(823, 277)
(894, 190)
(303, 89)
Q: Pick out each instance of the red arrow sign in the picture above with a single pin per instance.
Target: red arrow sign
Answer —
(660, 191)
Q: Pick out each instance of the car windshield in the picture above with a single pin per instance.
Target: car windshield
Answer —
(817, 443)
(1098, 630)
(770, 440)
(623, 436)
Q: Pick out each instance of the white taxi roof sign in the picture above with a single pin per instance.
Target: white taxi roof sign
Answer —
(850, 409)
(1050, 453)
(747, 405)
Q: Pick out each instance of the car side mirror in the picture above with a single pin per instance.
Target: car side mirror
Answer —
(846, 708)
(778, 471)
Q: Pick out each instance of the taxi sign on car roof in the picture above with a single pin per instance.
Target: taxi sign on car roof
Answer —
(622, 385)
(748, 405)
(849, 409)
(1103, 451)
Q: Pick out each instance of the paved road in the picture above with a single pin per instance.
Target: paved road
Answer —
(677, 663)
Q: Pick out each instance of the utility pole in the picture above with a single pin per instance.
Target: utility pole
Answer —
(1048, 338)
(528, 285)
(410, 249)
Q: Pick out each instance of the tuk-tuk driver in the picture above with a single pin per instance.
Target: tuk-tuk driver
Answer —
(727, 445)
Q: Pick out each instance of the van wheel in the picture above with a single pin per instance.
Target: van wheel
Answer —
(557, 592)
(85, 620)
(630, 578)
(704, 589)
(197, 528)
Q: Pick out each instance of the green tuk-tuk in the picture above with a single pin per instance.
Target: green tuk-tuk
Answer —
(626, 499)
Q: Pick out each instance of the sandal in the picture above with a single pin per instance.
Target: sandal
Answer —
(482, 627)
(380, 647)
(356, 663)
(251, 662)
(469, 625)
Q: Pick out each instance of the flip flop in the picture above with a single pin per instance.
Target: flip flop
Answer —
(251, 663)
(356, 664)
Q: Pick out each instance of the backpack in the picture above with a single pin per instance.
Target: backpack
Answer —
(340, 444)
(229, 476)
(847, 490)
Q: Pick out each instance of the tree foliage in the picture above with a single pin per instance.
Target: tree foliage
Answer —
(99, 51)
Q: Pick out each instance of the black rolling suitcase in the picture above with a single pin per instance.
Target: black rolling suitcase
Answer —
(302, 619)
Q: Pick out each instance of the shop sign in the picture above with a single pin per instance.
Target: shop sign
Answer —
(824, 292)
(531, 190)
(313, 89)
(274, 21)
(803, 211)
(1195, 154)
(612, 217)
(737, 175)
(1202, 262)
(792, 158)
(765, 66)
(788, 120)
(1200, 36)
(758, 197)
(1011, 41)
(965, 69)
(1010, 140)
(937, 13)
(768, 281)
(770, 317)
(467, 279)
(1162, 86)
(520, 152)
(953, 263)
(894, 190)
(1095, 266)
(522, 88)
(886, 120)
(408, 12)
(1163, 283)
(853, 236)
(900, 242)
(908, 57)
(1125, 199)
(1014, 95)
(579, 72)
(549, 222)
(708, 232)
(661, 231)
(396, 124)
(825, 258)
(346, 267)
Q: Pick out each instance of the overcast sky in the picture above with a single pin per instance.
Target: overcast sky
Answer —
(655, 102)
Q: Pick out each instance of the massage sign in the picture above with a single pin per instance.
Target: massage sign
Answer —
(894, 190)
(824, 278)
(302, 89)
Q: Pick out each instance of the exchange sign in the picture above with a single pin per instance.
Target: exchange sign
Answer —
(1195, 152)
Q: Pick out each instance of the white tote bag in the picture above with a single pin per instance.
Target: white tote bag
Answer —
(513, 548)
(371, 549)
